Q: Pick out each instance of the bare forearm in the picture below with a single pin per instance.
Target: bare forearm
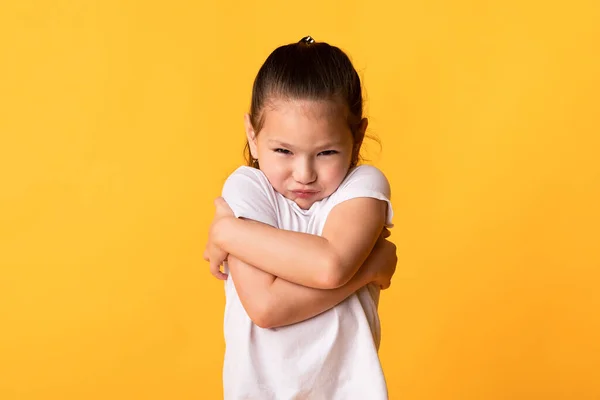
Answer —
(273, 302)
(301, 258)
(295, 303)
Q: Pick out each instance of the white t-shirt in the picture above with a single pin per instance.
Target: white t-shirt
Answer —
(332, 356)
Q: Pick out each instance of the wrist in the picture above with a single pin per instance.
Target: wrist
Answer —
(366, 275)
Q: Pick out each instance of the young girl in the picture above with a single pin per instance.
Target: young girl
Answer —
(303, 230)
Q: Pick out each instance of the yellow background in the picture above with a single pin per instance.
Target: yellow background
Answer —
(119, 121)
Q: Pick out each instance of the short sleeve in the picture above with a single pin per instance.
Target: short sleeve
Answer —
(365, 181)
(249, 194)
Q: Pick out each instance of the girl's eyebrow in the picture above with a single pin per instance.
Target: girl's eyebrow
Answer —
(280, 144)
(274, 142)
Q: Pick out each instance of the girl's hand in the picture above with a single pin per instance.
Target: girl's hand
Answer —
(382, 261)
(213, 253)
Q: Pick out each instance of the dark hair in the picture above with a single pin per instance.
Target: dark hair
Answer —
(307, 70)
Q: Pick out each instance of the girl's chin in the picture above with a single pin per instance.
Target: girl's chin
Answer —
(305, 204)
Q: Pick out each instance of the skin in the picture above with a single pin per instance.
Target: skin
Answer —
(304, 145)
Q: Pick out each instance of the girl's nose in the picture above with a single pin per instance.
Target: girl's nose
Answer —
(304, 173)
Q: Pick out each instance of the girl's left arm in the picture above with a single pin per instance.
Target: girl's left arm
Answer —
(272, 302)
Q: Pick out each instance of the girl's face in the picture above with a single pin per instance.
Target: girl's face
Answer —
(304, 148)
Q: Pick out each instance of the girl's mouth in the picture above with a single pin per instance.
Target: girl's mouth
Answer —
(304, 194)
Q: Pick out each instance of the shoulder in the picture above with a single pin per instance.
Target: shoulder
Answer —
(367, 177)
(250, 195)
(248, 181)
(364, 181)
(245, 173)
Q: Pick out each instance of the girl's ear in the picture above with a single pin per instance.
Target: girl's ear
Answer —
(251, 136)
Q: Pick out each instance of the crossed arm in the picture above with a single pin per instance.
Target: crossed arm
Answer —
(273, 302)
(285, 277)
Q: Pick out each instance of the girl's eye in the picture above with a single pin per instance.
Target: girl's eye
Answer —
(328, 152)
(282, 151)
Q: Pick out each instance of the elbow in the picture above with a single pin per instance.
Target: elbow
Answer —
(262, 322)
(262, 316)
(333, 275)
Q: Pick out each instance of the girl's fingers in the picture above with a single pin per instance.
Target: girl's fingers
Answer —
(221, 204)
(386, 285)
(215, 269)
(221, 276)
(220, 201)
(218, 274)
(222, 208)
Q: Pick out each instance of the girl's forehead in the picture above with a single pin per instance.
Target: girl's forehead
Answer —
(311, 109)
(306, 121)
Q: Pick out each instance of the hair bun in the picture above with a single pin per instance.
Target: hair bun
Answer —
(307, 40)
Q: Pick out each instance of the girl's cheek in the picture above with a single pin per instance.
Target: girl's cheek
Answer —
(336, 172)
